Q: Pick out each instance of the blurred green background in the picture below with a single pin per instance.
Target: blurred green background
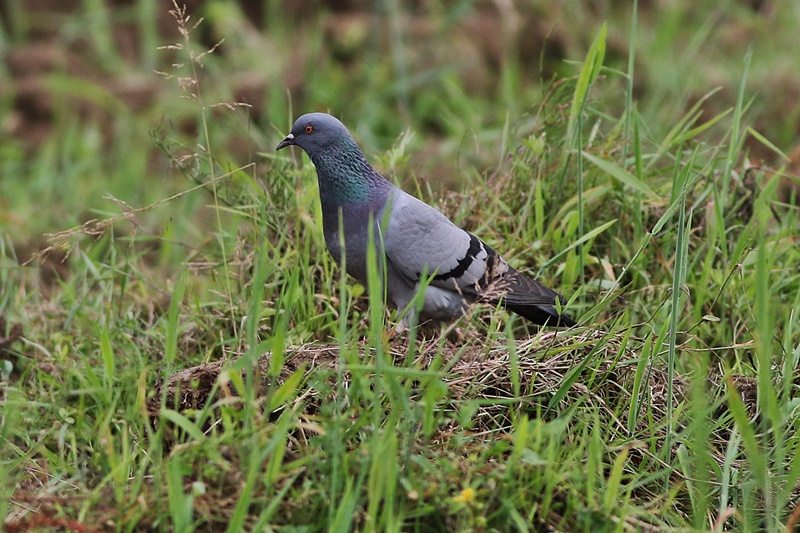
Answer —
(81, 100)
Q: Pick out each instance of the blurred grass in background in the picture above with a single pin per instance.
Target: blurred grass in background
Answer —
(81, 96)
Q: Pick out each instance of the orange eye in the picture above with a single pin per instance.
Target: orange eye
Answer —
(308, 129)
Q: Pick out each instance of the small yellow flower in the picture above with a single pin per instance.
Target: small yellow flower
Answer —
(465, 496)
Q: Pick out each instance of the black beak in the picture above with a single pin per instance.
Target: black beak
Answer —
(289, 140)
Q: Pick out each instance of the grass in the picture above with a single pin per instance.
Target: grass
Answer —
(198, 362)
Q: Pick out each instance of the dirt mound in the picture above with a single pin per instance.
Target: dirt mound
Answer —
(550, 371)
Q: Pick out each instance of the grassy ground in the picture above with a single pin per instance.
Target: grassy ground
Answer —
(183, 354)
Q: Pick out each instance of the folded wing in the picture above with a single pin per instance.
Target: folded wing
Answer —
(419, 239)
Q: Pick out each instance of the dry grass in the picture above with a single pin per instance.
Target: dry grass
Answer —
(544, 361)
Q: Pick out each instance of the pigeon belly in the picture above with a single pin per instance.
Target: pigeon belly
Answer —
(438, 304)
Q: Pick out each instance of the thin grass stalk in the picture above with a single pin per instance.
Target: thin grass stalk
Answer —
(772, 442)
(255, 461)
(181, 503)
(631, 129)
(754, 459)
(640, 394)
(194, 63)
(587, 76)
(638, 209)
(342, 519)
(286, 303)
(377, 285)
(699, 463)
(513, 360)
(580, 206)
(726, 481)
(336, 431)
(721, 191)
(736, 139)
(250, 359)
(678, 283)
(266, 516)
(382, 481)
(173, 314)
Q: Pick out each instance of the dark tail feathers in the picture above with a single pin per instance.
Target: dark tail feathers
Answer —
(543, 315)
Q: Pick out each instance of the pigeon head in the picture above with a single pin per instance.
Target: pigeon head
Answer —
(316, 132)
(345, 176)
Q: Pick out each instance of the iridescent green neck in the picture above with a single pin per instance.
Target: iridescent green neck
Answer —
(345, 177)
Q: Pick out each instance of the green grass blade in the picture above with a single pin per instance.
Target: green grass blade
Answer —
(591, 68)
(189, 427)
(612, 496)
(622, 175)
(107, 354)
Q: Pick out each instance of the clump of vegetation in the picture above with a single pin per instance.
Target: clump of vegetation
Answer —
(181, 353)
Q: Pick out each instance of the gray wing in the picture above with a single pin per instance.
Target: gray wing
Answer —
(418, 238)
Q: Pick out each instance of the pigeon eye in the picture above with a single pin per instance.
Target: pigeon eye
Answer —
(308, 129)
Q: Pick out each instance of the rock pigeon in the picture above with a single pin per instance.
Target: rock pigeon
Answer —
(411, 237)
